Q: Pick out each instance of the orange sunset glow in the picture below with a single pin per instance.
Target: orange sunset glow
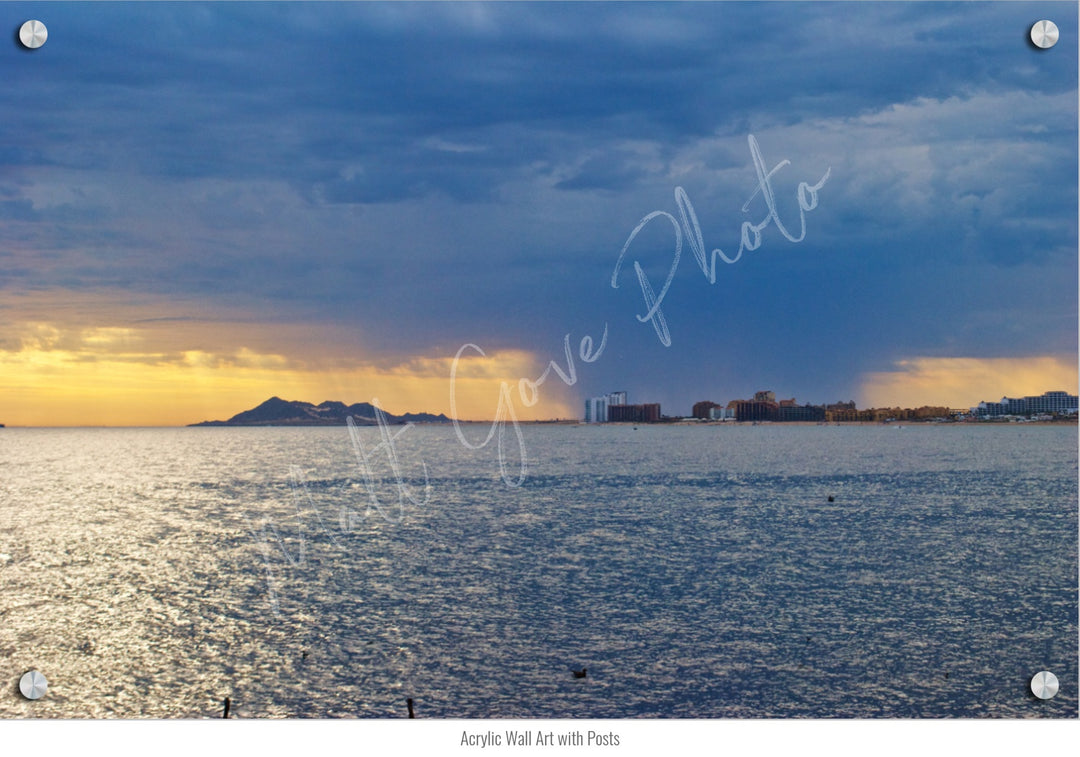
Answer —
(964, 382)
(112, 377)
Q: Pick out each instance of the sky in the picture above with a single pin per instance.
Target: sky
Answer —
(206, 205)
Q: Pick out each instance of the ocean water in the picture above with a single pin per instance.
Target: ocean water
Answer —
(695, 571)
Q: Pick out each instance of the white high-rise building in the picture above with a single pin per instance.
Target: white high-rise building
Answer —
(596, 408)
(1049, 402)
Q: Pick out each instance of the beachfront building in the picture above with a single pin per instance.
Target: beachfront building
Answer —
(805, 413)
(634, 413)
(755, 410)
(597, 408)
(1061, 403)
(1048, 403)
(702, 409)
(765, 407)
(841, 411)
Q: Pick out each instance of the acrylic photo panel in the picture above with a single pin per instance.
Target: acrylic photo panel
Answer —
(538, 360)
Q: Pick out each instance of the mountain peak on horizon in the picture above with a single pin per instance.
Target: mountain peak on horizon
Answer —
(278, 412)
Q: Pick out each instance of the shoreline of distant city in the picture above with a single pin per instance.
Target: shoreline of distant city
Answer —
(614, 408)
(765, 408)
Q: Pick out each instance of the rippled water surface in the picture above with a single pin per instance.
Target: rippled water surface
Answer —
(694, 571)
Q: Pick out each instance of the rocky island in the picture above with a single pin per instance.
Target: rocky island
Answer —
(278, 412)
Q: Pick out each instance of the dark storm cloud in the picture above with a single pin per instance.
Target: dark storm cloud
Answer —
(307, 86)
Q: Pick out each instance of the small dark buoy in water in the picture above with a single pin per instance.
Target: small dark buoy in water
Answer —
(831, 498)
(303, 656)
(946, 676)
(408, 703)
(579, 673)
(226, 713)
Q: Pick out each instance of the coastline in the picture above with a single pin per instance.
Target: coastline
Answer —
(897, 424)
(616, 424)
